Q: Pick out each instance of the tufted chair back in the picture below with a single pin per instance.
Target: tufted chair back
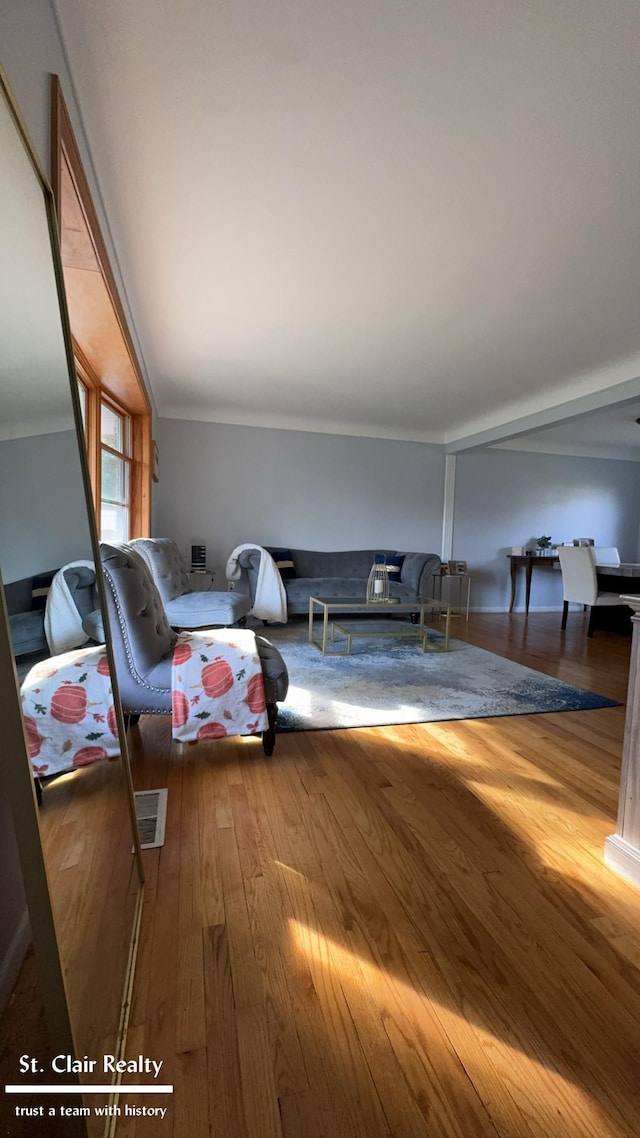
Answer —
(167, 566)
(143, 639)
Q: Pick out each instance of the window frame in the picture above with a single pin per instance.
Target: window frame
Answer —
(123, 456)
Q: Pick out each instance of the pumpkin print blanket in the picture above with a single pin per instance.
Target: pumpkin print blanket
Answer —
(68, 711)
(217, 685)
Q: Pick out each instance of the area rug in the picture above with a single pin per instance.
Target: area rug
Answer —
(386, 681)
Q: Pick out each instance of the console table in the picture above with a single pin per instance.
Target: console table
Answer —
(528, 561)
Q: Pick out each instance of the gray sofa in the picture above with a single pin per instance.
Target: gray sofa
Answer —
(339, 574)
(26, 603)
(26, 614)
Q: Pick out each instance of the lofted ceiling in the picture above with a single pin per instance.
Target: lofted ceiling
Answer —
(400, 218)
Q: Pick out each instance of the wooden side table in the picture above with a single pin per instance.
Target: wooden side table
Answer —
(462, 579)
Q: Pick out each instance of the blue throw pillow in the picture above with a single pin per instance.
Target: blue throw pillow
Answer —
(284, 562)
(393, 562)
(394, 565)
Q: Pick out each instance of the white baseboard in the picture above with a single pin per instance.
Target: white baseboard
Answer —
(623, 858)
(15, 954)
(517, 609)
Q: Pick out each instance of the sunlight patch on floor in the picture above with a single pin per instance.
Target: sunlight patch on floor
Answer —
(537, 1090)
(289, 869)
(519, 809)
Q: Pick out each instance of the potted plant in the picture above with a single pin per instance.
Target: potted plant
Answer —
(543, 545)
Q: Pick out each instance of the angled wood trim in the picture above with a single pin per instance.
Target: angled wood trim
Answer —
(63, 141)
(64, 149)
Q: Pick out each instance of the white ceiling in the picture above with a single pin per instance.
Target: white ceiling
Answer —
(403, 218)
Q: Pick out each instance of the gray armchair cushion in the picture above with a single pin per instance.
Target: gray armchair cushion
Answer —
(204, 610)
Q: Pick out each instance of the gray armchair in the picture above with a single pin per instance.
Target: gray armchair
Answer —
(184, 606)
(143, 642)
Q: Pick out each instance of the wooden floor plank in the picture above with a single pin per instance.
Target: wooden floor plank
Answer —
(327, 1019)
(226, 1104)
(191, 1115)
(259, 1093)
(280, 976)
(247, 981)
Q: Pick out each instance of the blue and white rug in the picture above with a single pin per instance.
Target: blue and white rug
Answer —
(388, 681)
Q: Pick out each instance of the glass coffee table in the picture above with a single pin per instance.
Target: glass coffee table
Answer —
(330, 607)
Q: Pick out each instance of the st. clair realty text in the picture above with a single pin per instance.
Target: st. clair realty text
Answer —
(109, 1064)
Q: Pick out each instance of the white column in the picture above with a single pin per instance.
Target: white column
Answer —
(448, 506)
(622, 849)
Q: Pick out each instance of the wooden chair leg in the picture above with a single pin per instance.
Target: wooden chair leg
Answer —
(565, 610)
(591, 621)
(269, 736)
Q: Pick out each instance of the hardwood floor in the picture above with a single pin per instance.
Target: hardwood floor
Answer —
(23, 1030)
(401, 931)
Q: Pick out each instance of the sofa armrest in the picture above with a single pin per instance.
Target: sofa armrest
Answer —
(417, 571)
(249, 562)
(249, 559)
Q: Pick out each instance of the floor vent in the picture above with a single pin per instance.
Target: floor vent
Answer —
(151, 814)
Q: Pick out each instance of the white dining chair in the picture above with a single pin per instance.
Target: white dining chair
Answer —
(605, 554)
(580, 584)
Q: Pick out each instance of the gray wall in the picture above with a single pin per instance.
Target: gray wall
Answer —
(30, 52)
(224, 485)
(43, 514)
(506, 498)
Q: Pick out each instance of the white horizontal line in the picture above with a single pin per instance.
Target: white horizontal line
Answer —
(87, 1089)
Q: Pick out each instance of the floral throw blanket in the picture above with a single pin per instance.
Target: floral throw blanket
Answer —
(217, 685)
(68, 711)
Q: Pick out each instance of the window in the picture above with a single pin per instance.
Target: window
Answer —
(115, 474)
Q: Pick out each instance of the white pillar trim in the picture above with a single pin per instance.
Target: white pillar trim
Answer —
(448, 505)
(622, 858)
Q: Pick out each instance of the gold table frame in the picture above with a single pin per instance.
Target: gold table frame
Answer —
(359, 605)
